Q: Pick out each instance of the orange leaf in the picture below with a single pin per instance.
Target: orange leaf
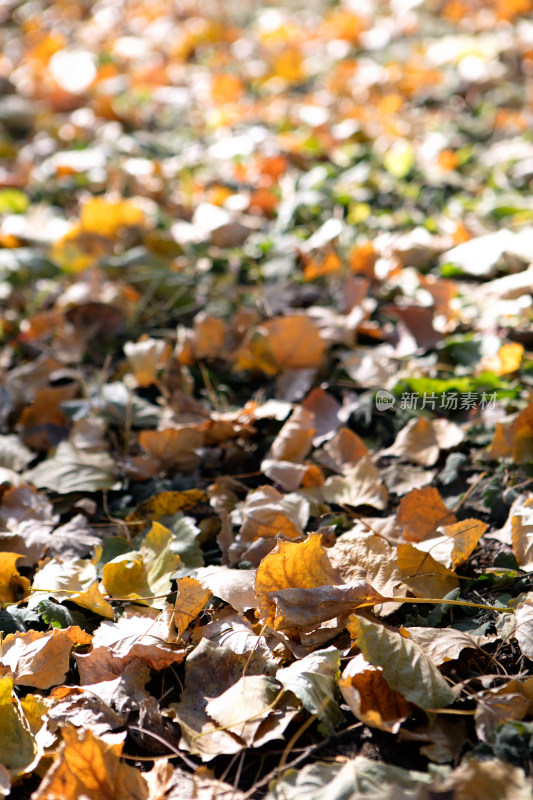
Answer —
(89, 766)
(298, 565)
(294, 342)
(421, 512)
(370, 697)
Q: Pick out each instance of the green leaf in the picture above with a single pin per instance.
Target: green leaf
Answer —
(59, 616)
(313, 680)
(406, 668)
(13, 201)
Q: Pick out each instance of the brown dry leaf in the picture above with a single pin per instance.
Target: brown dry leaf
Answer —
(422, 440)
(515, 438)
(444, 644)
(295, 439)
(421, 512)
(497, 706)
(370, 697)
(307, 608)
(28, 518)
(190, 600)
(211, 670)
(41, 659)
(13, 586)
(361, 555)
(267, 512)
(487, 780)
(290, 476)
(298, 565)
(294, 342)
(90, 767)
(522, 535)
(174, 448)
(244, 707)
(360, 485)
(134, 636)
(424, 576)
(343, 451)
(43, 423)
(168, 782)
(456, 543)
(326, 412)
(209, 336)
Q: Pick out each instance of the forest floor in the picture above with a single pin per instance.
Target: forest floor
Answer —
(266, 422)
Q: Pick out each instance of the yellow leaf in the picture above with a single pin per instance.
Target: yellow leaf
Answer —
(191, 598)
(507, 360)
(13, 586)
(106, 217)
(167, 504)
(456, 543)
(329, 265)
(297, 565)
(93, 600)
(90, 767)
(423, 575)
(370, 697)
(125, 576)
(522, 535)
(420, 513)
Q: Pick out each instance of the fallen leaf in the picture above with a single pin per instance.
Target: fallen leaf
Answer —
(522, 535)
(487, 780)
(210, 671)
(424, 576)
(106, 217)
(242, 709)
(313, 679)
(144, 358)
(17, 745)
(370, 697)
(41, 659)
(90, 767)
(174, 448)
(422, 440)
(190, 600)
(93, 600)
(444, 644)
(421, 512)
(360, 485)
(13, 586)
(406, 667)
(295, 439)
(70, 469)
(307, 608)
(456, 543)
(343, 451)
(298, 565)
(266, 512)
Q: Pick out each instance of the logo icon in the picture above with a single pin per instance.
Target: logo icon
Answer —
(384, 400)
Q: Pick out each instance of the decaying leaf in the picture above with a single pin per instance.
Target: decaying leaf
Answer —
(307, 608)
(406, 667)
(522, 535)
(370, 697)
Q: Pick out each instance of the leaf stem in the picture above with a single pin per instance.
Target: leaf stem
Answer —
(444, 602)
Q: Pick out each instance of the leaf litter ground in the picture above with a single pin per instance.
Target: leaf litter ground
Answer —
(266, 423)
